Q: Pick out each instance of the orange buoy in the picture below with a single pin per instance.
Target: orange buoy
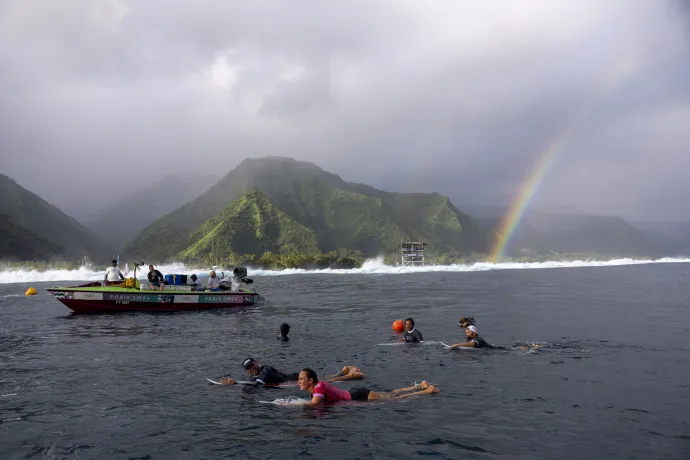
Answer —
(398, 325)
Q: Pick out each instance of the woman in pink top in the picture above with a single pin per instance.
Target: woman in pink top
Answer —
(322, 392)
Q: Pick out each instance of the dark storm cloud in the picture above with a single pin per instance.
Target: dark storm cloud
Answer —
(456, 97)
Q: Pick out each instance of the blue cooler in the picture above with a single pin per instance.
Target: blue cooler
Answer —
(169, 279)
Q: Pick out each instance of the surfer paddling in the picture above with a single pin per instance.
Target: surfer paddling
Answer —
(323, 392)
(473, 340)
(263, 374)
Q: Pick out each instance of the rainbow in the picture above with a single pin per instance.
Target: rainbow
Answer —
(511, 220)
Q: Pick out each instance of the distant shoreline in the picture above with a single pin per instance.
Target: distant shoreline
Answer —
(306, 263)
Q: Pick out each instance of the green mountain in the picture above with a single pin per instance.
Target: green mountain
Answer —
(253, 224)
(120, 222)
(18, 243)
(31, 219)
(338, 213)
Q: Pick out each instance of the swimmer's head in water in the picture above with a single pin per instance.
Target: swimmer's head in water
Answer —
(251, 366)
(466, 321)
(284, 328)
(471, 332)
(307, 378)
(409, 324)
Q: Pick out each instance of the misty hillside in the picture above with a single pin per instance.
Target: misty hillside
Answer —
(340, 214)
(119, 223)
(540, 232)
(67, 238)
(18, 243)
(674, 235)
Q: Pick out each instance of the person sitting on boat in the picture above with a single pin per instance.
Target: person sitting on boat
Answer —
(195, 283)
(213, 283)
(155, 278)
(411, 335)
(112, 273)
(473, 339)
(323, 392)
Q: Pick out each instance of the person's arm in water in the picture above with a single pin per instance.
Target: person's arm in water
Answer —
(464, 345)
(315, 401)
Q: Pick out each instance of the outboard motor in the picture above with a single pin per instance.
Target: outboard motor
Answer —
(239, 276)
(239, 272)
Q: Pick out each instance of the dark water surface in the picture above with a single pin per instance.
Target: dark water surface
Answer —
(613, 383)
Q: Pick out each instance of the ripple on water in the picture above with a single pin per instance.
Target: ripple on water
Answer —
(133, 385)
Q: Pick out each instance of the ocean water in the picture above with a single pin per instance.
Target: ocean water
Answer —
(611, 381)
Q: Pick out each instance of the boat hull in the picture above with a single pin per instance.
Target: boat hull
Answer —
(97, 301)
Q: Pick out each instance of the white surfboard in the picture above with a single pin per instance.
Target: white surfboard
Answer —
(290, 401)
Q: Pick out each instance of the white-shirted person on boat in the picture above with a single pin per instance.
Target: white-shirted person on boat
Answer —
(113, 275)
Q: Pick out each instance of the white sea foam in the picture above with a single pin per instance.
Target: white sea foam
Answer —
(370, 267)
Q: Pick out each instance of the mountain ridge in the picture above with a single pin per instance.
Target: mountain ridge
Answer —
(341, 214)
(121, 221)
(32, 213)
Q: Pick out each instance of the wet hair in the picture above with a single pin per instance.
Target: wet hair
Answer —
(284, 328)
(410, 320)
(467, 319)
(311, 374)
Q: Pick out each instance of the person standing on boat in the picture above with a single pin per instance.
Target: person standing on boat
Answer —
(411, 335)
(214, 282)
(112, 273)
(155, 278)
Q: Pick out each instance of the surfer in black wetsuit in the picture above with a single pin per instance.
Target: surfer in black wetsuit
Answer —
(411, 335)
(473, 340)
(263, 374)
(284, 331)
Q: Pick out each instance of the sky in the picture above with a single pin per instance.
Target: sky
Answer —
(99, 98)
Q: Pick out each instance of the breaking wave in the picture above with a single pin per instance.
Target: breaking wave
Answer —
(370, 267)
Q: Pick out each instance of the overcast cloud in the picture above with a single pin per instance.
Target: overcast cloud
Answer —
(101, 95)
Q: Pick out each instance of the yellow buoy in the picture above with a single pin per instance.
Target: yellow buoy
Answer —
(31, 291)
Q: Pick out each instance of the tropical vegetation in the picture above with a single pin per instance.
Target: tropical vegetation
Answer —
(283, 206)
